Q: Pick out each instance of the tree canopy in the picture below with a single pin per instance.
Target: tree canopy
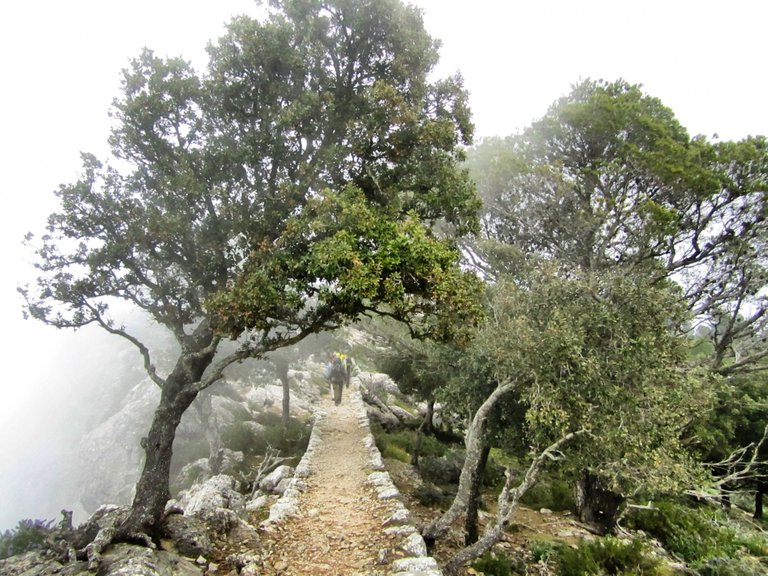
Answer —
(310, 175)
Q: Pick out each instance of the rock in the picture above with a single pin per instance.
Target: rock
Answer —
(414, 545)
(190, 535)
(423, 566)
(37, 563)
(256, 503)
(399, 518)
(115, 445)
(402, 414)
(279, 474)
(217, 492)
(128, 560)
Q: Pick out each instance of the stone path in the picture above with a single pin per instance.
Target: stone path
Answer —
(342, 515)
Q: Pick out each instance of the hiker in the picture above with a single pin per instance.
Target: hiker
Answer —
(348, 366)
(336, 372)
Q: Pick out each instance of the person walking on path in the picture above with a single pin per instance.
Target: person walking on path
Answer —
(337, 375)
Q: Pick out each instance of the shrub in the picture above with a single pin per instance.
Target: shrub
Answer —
(395, 452)
(554, 494)
(240, 438)
(732, 567)
(28, 535)
(289, 439)
(498, 564)
(428, 494)
(690, 533)
(442, 470)
(606, 556)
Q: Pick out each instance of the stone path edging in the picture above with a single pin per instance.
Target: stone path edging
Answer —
(417, 563)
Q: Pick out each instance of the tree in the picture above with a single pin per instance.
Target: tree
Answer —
(608, 179)
(288, 190)
(594, 360)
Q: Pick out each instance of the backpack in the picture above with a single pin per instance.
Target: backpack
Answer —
(338, 371)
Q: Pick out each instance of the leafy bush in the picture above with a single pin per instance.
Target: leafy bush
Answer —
(553, 493)
(28, 535)
(733, 567)
(240, 438)
(444, 469)
(395, 452)
(606, 556)
(694, 534)
(498, 564)
(290, 439)
(427, 494)
(540, 551)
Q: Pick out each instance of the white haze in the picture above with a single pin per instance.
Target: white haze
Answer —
(61, 64)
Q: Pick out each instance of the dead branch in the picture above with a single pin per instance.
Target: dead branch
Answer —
(272, 460)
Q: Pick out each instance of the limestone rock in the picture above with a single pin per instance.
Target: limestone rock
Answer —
(190, 535)
(275, 478)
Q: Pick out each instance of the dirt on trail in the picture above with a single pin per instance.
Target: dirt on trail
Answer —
(339, 528)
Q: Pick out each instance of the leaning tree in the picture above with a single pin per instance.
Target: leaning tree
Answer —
(308, 177)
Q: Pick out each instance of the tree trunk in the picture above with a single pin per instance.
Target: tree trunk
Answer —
(153, 488)
(469, 553)
(210, 424)
(424, 428)
(472, 530)
(759, 491)
(417, 446)
(429, 426)
(508, 501)
(596, 506)
(474, 443)
(281, 366)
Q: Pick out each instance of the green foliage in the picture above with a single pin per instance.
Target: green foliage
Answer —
(295, 184)
(395, 452)
(442, 470)
(427, 494)
(697, 534)
(606, 556)
(291, 439)
(594, 351)
(497, 564)
(399, 445)
(28, 535)
(540, 550)
(552, 493)
(733, 567)
(240, 438)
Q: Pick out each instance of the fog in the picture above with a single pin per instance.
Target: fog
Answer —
(61, 64)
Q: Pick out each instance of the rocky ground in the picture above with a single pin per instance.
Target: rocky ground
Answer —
(343, 512)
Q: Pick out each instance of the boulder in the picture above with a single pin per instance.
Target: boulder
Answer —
(275, 478)
(189, 534)
(217, 492)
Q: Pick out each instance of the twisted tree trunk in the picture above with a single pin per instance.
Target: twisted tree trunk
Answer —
(474, 444)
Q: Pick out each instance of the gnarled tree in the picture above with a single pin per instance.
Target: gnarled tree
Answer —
(287, 190)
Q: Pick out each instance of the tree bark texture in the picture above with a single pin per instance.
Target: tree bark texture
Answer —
(281, 367)
(429, 417)
(472, 530)
(760, 489)
(178, 393)
(596, 506)
(509, 500)
(474, 444)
